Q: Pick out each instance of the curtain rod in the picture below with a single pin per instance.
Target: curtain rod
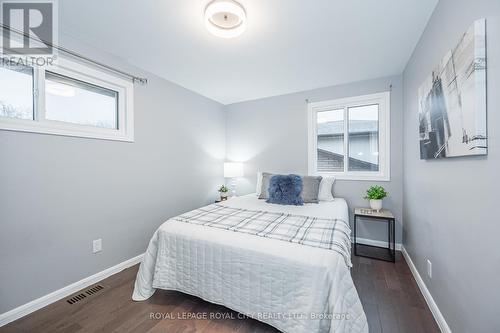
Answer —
(135, 79)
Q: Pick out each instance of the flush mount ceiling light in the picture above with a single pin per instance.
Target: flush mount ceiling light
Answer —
(225, 18)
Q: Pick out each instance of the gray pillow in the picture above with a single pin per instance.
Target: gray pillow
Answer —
(266, 177)
(310, 188)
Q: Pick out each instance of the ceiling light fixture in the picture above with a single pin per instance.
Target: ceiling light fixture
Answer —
(225, 18)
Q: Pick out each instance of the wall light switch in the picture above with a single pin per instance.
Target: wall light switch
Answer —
(97, 245)
(429, 269)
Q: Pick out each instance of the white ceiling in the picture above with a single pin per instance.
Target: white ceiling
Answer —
(289, 45)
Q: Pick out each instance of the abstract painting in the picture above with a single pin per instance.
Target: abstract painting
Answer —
(452, 100)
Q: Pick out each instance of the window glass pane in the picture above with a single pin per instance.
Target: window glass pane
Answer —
(16, 92)
(363, 138)
(330, 141)
(78, 102)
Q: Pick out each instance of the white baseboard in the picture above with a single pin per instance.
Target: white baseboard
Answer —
(438, 316)
(372, 242)
(39, 303)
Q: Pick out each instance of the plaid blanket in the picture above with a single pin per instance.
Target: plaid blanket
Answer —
(332, 234)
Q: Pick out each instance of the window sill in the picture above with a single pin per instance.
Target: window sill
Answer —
(355, 177)
(64, 130)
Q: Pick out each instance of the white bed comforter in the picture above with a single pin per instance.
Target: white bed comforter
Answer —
(292, 287)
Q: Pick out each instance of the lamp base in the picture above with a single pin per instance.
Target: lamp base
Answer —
(233, 187)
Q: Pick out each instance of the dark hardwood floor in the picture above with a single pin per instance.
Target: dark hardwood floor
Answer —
(390, 297)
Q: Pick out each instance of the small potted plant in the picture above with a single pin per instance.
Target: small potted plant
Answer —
(223, 190)
(375, 194)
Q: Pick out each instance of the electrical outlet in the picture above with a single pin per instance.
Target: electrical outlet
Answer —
(97, 245)
(429, 269)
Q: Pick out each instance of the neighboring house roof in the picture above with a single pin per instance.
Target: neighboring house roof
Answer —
(355, 126)
(328, 161)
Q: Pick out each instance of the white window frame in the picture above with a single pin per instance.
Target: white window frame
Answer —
(383, 99)
(88, 74)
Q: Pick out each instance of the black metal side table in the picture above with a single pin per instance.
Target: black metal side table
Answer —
(376, 252)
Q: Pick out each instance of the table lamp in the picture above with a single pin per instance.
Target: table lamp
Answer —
(233, 170)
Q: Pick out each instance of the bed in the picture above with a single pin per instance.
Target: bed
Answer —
(287, 283)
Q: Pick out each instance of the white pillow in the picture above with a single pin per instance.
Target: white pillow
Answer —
(325, 189)
(259, 183)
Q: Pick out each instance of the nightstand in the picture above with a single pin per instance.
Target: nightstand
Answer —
(376, 252)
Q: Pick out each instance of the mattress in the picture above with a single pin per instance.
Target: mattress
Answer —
(292, 287)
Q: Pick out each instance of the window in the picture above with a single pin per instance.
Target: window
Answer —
(350, 138)
(16, 92)
(78, 102)
(70, 99)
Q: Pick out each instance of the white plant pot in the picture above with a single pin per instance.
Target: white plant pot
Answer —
(223, 195)
(376, 204)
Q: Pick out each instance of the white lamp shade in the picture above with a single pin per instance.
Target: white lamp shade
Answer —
(233, 169)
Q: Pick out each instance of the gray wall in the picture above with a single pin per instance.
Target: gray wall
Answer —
(59, 193)
(270, 134)
(450, 205)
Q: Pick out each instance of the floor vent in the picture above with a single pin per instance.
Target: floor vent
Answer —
(76, 298)
(94, 289)
(89, 292)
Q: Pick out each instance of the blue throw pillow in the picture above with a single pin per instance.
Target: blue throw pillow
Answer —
(285, 190)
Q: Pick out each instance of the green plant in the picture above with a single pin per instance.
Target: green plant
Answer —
(376, 192)
(223, 189)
